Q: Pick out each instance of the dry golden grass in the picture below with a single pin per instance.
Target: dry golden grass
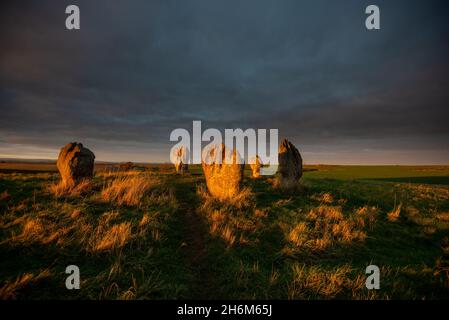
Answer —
(431, 219)
(299, 234)
(61, 189)
(40, 230)
(87, 232)
(114, 238)
(54, 219)
(244, 199)
(69, 224)
(227, 235)
(32, 229)
(369, 214)
(325, 198)
(315, 282)
(143, 288)
(274, 276)
(129, 189)
(117, 174)
(76, 213)
(231, 220)
(10, 290)
(326, 226)
(394, 214)
(442, 216)
(282, 203)
(421, 192)
(145, 220)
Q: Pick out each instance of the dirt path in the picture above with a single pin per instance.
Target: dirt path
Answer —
(195, 235)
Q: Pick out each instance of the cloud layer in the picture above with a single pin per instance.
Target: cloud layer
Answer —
(139, 69)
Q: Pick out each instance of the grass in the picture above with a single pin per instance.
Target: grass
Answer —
(403, 174)
(130, 190)
(117, 244)
(155, 235)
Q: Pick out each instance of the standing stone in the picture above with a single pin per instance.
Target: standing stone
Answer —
(255, 165)
(223, 170)
(290, 165)
(180, 158)
(75, 163)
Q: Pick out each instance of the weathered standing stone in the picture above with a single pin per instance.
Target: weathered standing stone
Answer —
(182, 168)
(223, 172)
(180, 158)
(290, 165)
(75, 163)
(255, 165)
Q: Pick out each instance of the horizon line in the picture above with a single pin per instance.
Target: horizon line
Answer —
(36, 160)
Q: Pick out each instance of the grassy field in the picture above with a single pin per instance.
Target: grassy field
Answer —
(156, 235)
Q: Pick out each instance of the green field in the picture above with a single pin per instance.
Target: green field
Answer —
(158, 235)
(406, 174)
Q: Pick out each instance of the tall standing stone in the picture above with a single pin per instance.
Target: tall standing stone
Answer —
(290, 165)
(255, 165)
(223, 170)
(180, 158)
(75, 163)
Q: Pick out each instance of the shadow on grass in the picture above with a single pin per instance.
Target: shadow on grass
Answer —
(18, 191)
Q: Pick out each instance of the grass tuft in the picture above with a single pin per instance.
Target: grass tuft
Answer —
(394, 214)
(128, 190)
(60, 189)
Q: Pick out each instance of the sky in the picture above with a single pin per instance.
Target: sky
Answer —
(137, 70)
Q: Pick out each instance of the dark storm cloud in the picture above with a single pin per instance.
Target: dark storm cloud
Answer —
(139, 69)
